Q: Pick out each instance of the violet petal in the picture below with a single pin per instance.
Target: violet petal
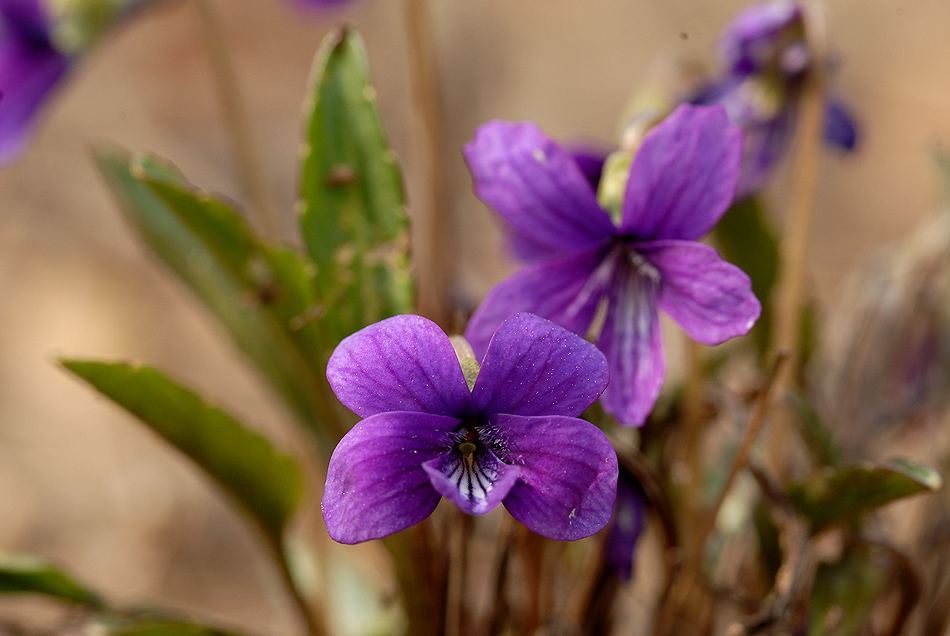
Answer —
(477, 484)
(404, 363)
(30, 69)
(568, 479)
(750, 41)
(711, 299)
(376, 484)
(565, 291)
(536, 186)
(535, 367)
(626, 526)
(840, 127)
(633, 347)
(683, 177)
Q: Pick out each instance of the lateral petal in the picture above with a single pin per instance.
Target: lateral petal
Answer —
(404, 363)
(535, 367)
(684, 175)
(711, 299)
(566, 291)
(376, 484)
(568, 480)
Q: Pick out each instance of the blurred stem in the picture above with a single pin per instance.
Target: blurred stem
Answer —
(235, 116)
(693, 424)
(795, 243)
(430, 231)
(313, 620)
(456, 619)
(421, 579)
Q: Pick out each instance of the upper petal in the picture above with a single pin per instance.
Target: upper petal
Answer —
(404, 363)
(634, 349)
(711, 299)
(534, 367)
(568, 479)
(375, 481)
(476, 484)
(536, 186)
(565, 291)
(684, 175)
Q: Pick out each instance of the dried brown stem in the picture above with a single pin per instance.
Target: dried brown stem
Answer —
(431, 237)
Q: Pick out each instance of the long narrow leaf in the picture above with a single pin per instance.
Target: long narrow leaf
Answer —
(262, 294)
(21, 573)
(352, 203)
(265, 482)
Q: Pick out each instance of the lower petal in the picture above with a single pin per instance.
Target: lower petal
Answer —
(631, 342)
(476, 484)
(711, 299)
(568, 479)
(565, 291)
(375, 481)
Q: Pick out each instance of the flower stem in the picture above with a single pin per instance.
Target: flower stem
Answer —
(693, 424)
(794, 247)
(314, 622)
(430, 235)
(235, 117)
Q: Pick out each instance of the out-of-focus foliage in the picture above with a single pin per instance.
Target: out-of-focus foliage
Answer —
(20, 573)
(836, 495)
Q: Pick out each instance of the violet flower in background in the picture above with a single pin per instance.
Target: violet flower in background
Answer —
(30, 69)
(766, 57)
(320, 4)
(512, 437)
(626, 526)
(681, 181)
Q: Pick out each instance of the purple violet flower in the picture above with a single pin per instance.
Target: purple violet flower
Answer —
(511, 437)
(30, 68)
(681, 181)
(766, 57)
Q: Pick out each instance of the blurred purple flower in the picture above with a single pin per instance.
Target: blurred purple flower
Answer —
(321, 4)
(513, 438)
(626, 526)
(766, 57)
(681, 182)
(30, 68)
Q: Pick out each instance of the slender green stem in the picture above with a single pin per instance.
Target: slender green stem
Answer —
(430, 236)
(235, 116)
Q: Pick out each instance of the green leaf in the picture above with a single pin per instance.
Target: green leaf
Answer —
(745, 238)
(265, 482)
(352, 208)
(165, 628)
(844, 593)
(22, 573)
(261, 293)
(836, 495)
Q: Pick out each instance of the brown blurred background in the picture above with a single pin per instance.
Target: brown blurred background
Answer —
(83, 484)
